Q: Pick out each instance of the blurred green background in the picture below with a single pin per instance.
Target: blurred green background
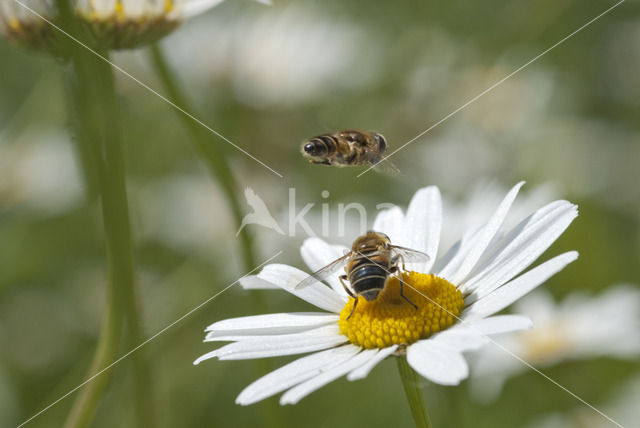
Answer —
(266, 78)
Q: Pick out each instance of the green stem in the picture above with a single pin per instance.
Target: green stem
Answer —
(218, 164)
(115, 209)
(97, 132)
(411, 384)
(216, 160)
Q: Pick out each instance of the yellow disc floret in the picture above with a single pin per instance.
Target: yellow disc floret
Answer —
(390, 319)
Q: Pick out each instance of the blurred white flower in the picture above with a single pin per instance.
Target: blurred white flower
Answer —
(512, 110)
(282, 56)
(39, 172)
(186, 212)
(623, 409)
(579, 327)
(114, 24)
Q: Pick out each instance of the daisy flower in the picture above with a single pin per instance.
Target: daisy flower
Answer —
(113, 24)
(457, 294)
(579, 327)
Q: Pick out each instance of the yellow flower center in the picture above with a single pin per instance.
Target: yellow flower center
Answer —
(390, 319)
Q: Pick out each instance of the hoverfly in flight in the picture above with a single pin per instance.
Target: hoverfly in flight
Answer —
(351, 147)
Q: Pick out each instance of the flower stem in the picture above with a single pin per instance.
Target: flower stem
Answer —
(217, 162)
(411, 384)
(216, 159)
(96, 123)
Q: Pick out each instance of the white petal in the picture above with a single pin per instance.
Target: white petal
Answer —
(496, 249)
(270, 324)
(318, 294)
(512, 291)
(500, 324)
(295, 372)
(277, 345)
(472, 335)
(206, 356)
(536, 235)
(461, 339)
(316, 253)
(539, 219)
(423, 223)
(450, 263)
(391, 222)
(284, 276)
(485, 236)
(362, 371)
(133, 9)
(104, 8)
(252, 282)
(299, 392)
(437, 362)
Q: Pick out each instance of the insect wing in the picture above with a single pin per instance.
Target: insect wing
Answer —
(324, 272)
(407, 255)
(384, 166)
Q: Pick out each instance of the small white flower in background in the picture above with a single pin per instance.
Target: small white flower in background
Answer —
(622, 408)
(579, 327)
(473, 280)
(282, 56)
(114, 24)
(39, 173)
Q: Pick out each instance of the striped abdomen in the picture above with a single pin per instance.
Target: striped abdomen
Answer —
(321, 146)
(336, 149)
(367, 276)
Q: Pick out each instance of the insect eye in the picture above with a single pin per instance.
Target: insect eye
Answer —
(382, 143)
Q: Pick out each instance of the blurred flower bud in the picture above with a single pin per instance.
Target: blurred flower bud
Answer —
(110, 24)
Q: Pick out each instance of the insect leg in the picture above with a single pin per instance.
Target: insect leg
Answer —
(355, 303)
(350, 293)
(404, 268)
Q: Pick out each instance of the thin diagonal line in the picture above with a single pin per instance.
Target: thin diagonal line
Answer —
(147, 87)
(499, 82)
(466, 323)
(149, 340)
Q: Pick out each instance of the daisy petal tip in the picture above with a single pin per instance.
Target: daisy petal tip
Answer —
(312, 240)
(287, 400)
(243, 401)
(255, 282)
(517, 187)
(569, 257)
(355, 376)
(526, 323)
(428, 190)
(206, 356)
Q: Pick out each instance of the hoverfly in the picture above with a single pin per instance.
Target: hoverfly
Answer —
(367, 266)
(350, 147)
